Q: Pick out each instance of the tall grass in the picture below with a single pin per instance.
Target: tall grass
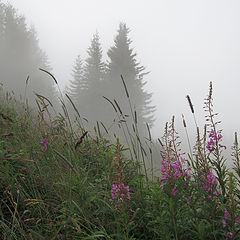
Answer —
(58, 180)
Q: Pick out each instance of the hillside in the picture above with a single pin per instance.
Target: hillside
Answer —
(60, 182)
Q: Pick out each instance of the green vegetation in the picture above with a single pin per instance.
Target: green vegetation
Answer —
(58, 181)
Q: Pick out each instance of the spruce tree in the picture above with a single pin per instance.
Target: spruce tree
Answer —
(122, 61)
(78, 85)
(94, 72)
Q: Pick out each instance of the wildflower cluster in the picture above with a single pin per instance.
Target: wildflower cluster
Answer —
(119, 194)
(173, 166)
(172, 171)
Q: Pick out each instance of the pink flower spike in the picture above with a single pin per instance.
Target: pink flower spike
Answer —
(226, 214)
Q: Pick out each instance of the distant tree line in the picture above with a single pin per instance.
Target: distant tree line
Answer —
(21, 56)
(92, 78)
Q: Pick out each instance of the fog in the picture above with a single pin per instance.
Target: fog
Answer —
(184, 44)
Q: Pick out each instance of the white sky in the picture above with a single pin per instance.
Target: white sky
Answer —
(184, 43)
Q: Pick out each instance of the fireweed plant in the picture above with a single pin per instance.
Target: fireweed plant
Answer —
(201, 187)
(120, 192)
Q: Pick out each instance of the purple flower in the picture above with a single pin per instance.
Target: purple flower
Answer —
(173, 170)
(210, 146)
(230, 235)
(119, 194)
(208, 182)
(226, 214)
(214, 139)
(44, 141)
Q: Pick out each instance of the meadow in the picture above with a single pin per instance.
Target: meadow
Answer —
(59, 181)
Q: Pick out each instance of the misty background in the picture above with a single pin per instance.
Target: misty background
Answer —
(183, 44)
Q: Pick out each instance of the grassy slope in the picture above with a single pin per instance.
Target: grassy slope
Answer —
(63, 190)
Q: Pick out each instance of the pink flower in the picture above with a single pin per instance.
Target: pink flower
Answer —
(230, 235)
(119, 194)
(226, 214)
(214, 139)
(45, 142)
(173, 171)
(224, 223)
(209, 181)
